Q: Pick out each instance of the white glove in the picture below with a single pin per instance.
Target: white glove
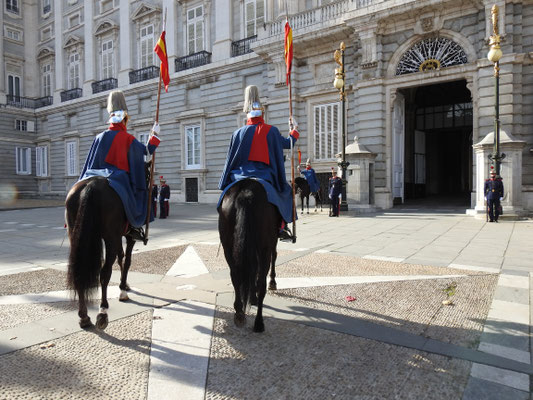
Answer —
(156, 129)
(485, 198)
(293, 124)
(501, 198)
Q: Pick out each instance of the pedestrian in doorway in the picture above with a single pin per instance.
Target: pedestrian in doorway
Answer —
(335, 189)
(164, 196)
(494, 195)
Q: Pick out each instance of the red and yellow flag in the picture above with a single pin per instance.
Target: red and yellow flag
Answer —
(299, 156)
(288, 50)
(161, 50)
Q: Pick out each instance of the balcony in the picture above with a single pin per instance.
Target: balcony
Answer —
(193, 60)
(103, 85)
(144, 74)
(26, 102)
(71, 94)
(240, 47)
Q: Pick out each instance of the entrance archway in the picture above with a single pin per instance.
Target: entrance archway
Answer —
(438, 144)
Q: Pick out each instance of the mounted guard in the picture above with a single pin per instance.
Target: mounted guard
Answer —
(256, 151)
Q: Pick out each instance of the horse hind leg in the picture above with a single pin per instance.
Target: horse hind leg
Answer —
(124, 287)
(259, 324)
(105, 275)
(240, 317)
(85, 320)
(272, 285)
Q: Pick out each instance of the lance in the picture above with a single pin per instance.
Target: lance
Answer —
(152, 166)
(288, 36)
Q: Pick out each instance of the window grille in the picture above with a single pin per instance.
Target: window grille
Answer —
(326, 131)
(192, 146)
(195, 30)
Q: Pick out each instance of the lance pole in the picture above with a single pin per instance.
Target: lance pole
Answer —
(152, 166)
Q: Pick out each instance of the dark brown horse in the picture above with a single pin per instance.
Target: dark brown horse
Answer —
(248, 226)
(95, 217)
(303, 189)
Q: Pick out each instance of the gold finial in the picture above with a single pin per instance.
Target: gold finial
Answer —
(494, 12)
(343, 46)
(337, 57)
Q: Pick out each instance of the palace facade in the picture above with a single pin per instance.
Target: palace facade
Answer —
(419, 107)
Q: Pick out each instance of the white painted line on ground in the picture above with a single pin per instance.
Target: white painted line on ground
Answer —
(509, 311)
(519, 282)
(290, 283)
(189, 264)
(58, 227)
(27, 224)
(52, 297)
(323, 251)
(384, 258)
(507, 352)
(209, 243)
(474, 268)
(179, 355)
(504, 377)
(7, 230)
(302, 249)
(10, 222)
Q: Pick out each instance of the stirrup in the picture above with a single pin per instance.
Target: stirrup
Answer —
(285, 235)
(138, 234)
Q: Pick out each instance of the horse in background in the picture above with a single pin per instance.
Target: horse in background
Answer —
(303, 189)
(95, 217)
(248, 226)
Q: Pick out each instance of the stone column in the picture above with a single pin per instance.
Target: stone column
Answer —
(3, 97)
(90, 73)
(223, 24)
(360, 177)
(511, 173)
(170, 7)
(125, 43)
(59, 84)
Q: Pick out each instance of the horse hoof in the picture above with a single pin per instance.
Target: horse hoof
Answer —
(101, 321)
(307, 212)
(123, 296)
(85, 323)
(127, 287)
(259, 326)
(239, 319)
(272, 286)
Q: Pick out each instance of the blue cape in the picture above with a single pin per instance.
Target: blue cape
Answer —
(272, 176)
(310, 177)
(131, 187)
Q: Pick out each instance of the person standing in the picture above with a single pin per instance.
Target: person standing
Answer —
(335, 189)
(155, 192)
(164, 195)
(493, 194)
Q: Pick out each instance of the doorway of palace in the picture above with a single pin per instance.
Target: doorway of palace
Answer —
(433, 159)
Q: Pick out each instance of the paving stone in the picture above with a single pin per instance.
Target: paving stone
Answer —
(482, 389)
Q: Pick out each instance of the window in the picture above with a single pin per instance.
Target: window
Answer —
(46, 6)
(12, 6)
(326, 131)
(23, 160)
(46, 33)
(47, 80)
(21, 125)
(192, 146)
(254, 16)
(147, 46)
(74, 20)
(195, 30)
(143, 138)
(105, 5)
(107, 59)
(72, 158)
(13, 34)
(41, 161)
(74, 71)
(13, 85)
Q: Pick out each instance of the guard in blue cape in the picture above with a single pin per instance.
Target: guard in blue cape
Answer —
(256, 151)
(494, 195)
(335, 189)
(310, 177)
(118, 156)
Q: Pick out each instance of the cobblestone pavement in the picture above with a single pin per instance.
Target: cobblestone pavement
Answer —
(341, 325)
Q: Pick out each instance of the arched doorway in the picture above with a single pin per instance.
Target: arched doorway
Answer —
(438, 144)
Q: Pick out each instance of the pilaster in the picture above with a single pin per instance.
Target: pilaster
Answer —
(169, 6)
(223, 24)
(3, 78)
(125, 43)
(89, 48)
(59, 57)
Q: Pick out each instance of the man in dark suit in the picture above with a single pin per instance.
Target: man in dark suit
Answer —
(493, 194)
(164, 195)
(335, 189)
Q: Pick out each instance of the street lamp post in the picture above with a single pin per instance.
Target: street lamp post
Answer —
(339, 84)
(494, 55)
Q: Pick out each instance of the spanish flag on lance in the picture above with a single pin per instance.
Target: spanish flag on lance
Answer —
(288, 50)
(299, 156)
(161, 50)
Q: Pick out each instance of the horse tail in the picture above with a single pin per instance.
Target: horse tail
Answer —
(85, 258)
(245, 245)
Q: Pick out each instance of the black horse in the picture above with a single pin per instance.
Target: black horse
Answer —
(248, 226)
(303, 189)
(94, 213)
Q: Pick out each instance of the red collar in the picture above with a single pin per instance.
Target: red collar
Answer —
(117, 127)
(307, 167)
(255, 121)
